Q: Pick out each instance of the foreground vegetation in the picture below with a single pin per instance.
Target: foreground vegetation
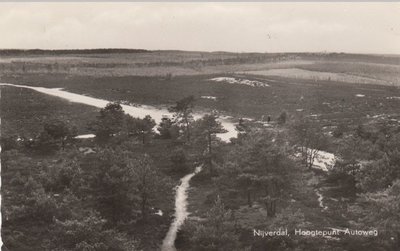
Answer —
(50, 180)
(61, 193)
(259, 186)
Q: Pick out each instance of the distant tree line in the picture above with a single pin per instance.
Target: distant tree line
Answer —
(20, 52)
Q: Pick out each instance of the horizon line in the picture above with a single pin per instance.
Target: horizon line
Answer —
(199, 51)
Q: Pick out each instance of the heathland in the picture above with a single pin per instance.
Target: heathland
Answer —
(317, 149)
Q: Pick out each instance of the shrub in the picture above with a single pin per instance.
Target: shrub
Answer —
(339, 130)
(89, 233)
(179, 161)
(282, 118)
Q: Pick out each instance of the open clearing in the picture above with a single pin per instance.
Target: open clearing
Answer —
(316, 76)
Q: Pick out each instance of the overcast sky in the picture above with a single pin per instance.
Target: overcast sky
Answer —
(239, 27)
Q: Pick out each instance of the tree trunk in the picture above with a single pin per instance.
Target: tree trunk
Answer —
(270, 205)
(249, 198)
(144, 202)
(210, 153)
(62, 144)
(187, 130)
(209, 143)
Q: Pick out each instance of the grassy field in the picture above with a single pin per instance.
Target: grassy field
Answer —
(331, 101)
(317, 84)
(176, 63)
(317, 76)
(331, 86)
(389, 73)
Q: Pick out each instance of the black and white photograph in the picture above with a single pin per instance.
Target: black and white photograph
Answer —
(200, 126)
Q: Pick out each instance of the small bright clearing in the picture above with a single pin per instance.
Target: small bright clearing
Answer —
(85, 136)
(209, 97)
(324, 160)
(239, 81)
